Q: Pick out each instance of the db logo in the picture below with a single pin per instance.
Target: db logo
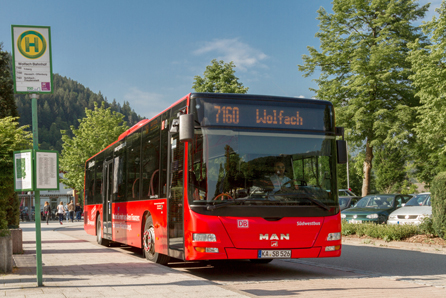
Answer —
(242, 223)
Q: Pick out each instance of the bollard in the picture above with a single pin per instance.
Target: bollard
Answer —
(6, 260)
(17, 242)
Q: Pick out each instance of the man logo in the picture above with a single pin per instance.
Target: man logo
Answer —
(274, 237)
(31, 44)
(274, 244)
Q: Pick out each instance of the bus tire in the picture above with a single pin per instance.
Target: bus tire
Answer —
(148, 241)
(261, 261)
(99, 239)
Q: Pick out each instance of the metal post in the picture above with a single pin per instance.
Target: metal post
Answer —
(348, 174)
(37, 194)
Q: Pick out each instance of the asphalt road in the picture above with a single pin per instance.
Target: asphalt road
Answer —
(357, 261)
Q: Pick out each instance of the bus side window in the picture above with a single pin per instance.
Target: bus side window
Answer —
(120, 169)
(89, 185)
(97, 198)
(133, 165)
(150, 159)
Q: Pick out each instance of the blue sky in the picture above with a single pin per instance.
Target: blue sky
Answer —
(148, 52)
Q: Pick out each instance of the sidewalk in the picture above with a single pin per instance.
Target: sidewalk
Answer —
(78, 268)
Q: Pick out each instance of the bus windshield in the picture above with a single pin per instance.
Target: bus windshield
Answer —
(262, 168)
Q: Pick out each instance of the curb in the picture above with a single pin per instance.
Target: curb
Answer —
(431, 248)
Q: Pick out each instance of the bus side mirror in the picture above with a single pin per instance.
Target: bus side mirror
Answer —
(186, 127)
(341, 147)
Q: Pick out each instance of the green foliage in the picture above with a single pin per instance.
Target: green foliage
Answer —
(389, 165)
(62, 109)
(13, 211)
(427, 227)
(384, 232)
(364, 71)
(219, 78)
(97, 130)
(429, 77)
(12, 137)
(7, 103)
(438, 197)
(407, 188)
(355, 179)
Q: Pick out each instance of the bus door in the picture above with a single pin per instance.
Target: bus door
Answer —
(108, 195)
(175, 168)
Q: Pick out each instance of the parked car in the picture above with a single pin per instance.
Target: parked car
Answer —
(414, 211)
(346, 193)
(374, 208)
(348, 202)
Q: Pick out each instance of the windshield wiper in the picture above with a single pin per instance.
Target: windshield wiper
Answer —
(314, 201)
(214, 206)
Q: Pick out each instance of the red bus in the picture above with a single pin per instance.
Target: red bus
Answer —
(221, 176)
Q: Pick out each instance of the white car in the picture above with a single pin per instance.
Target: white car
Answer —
(413, 212)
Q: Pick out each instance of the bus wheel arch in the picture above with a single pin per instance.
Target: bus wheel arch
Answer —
(148, 243)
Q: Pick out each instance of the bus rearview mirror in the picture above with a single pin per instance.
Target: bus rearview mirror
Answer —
(341, 147)
(186, 127)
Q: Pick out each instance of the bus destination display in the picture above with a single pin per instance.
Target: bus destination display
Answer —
(265, 116)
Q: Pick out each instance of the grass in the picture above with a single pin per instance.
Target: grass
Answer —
(384, 232)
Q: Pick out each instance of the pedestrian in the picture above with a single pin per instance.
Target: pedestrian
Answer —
(60, 212)
(71, 210)
(78, 212)
(47, 211)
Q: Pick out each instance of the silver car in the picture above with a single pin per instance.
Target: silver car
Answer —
(413, 212)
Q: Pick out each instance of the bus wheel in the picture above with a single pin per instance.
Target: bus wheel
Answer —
(99, 239)
(149, 244)
(261, 261)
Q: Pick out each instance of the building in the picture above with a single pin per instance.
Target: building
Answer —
(54, 197)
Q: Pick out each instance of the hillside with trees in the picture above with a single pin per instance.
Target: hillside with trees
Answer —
(63, 108)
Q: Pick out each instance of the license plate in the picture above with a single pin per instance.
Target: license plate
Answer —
(355, 221)
(274, 254)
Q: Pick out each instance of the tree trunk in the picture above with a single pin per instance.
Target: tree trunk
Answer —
(367, 169)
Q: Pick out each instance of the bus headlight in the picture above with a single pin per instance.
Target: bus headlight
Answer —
(204, 237)
(334, 236)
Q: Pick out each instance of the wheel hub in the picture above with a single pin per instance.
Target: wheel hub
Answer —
(149, 239)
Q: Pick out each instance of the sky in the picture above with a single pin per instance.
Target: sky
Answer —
(148, 52)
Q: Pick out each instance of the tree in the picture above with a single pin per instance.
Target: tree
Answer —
(364, 71)
(97, 130)
(61, 109)
(355, 178)
(390, 169)
(219, 78)
(429, 77)
(7, 102)
(12, 137)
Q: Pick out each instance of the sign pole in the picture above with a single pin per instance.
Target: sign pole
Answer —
(37, 193)
(33, 74)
